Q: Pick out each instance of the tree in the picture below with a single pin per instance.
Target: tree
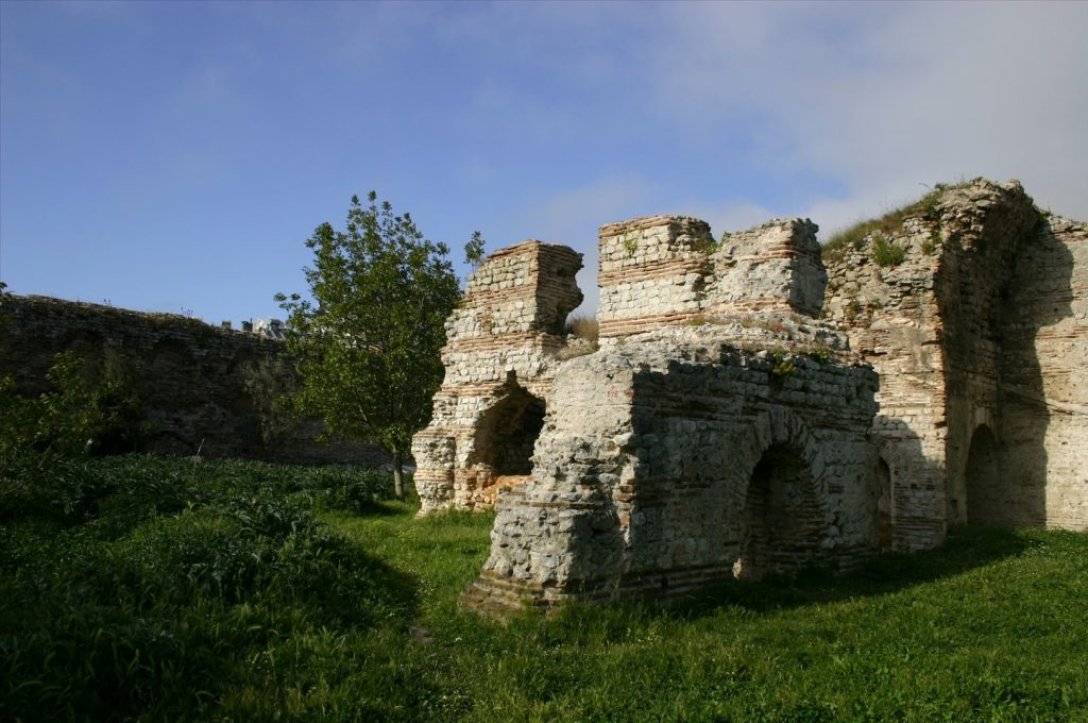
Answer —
(368, 343)
(474, 250)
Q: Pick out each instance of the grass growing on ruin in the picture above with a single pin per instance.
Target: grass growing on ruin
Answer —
(927, 207)
(159, 590)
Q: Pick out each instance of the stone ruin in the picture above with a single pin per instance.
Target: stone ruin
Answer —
(734, 423)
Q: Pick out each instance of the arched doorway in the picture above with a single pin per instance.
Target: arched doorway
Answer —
(884, 504)
(783, 519)
(986, 505)
(508, 431)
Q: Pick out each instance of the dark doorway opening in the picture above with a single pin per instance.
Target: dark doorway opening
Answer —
(783, 523)
(884, 505)
(987, 503)
(508, 433)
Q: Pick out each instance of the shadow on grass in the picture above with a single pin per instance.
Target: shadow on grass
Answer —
(965, 550)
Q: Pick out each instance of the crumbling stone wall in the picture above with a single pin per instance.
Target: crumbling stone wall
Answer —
(721, 430)
(683, 457)
(190, 376)
(979, 336)
(660, 270)
(503, 345)
(1043, 371)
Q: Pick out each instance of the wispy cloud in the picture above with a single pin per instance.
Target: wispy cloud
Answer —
(886, 97)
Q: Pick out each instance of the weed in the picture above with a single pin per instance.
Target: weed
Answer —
(931, 244)
(583, 327)
(781, 365)
(852, 310)
(928, 207)
(887, 253)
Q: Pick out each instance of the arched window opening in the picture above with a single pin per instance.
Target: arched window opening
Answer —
(783, 522)
(986, 506)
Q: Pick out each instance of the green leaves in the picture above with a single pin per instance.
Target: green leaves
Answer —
(368, 343)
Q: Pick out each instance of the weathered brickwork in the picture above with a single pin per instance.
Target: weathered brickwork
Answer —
(666, 269)
(190, 376)
(980, 339)
(504, 343)
(683, 457)
(723, 431)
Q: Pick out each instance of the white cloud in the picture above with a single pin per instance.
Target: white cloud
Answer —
(885, 98)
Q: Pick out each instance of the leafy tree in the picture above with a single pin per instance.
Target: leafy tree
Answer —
(368, 343)
(474, 250)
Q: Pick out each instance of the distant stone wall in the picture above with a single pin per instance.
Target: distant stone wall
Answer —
(190, 376)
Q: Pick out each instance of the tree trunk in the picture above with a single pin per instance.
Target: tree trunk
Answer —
(398, 475)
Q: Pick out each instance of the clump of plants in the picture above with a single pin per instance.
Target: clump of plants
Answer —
(170, 581)
(583, 327)
(91, 406)
(272, 384)
(927, 207)
(782, 365)
(582, 333)
(887, 252)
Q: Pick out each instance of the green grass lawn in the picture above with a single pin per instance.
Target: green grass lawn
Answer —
(149, 589)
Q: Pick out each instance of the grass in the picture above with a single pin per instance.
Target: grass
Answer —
(927, 207)
(583, 327)
(232, 591)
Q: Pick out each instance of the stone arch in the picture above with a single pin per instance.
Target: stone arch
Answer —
(885, 504)
(893, 457)
(507, 432)
(784, 522)
(986, 503)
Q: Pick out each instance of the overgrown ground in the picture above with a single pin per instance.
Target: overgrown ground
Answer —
(140, 588)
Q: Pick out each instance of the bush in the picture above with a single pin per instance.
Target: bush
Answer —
(583, 327)
(887, 253)
(927, 207)
(147, 588)
(93, 405)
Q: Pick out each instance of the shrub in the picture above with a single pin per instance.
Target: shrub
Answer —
(272, 384)
(887, 253)
(583, 327)
(92, 406)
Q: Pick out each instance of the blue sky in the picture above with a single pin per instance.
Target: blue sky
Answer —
(175, 156)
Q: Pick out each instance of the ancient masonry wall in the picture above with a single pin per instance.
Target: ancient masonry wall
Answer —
(504, 343)
(1044, 374)
(719, 431)
(723, 431)
(659, 270)
(190, 376)
(681, 458)
(976, 337)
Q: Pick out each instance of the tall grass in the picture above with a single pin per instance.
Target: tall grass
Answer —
(927, 207)
(230, 591)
